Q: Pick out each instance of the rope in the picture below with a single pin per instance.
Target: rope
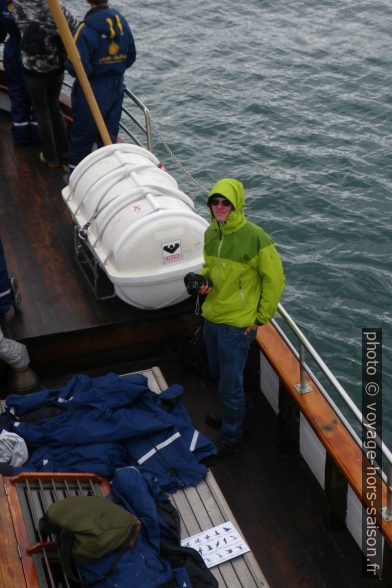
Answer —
(184, 171)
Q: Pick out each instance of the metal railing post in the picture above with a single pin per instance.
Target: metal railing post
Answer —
(303, 386)
(389, 491)
(148, 131)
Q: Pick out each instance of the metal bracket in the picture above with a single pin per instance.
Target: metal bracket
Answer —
(385, 515)
(303, 389)
(85, 258)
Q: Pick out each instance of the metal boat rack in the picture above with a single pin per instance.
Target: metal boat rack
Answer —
(91, 269)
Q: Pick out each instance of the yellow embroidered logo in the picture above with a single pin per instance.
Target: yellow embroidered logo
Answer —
(113, 48)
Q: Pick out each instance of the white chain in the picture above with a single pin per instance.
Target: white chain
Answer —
(176, 160)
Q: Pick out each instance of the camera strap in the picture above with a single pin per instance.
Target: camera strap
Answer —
(197, 304)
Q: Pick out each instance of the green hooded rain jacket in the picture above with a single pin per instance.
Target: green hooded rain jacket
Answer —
(243, 264)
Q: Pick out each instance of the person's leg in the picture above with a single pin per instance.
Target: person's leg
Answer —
(83, 133)
(232, 350)
(210, 336)
(13, 353)
(112, 100)
(6, 296)
(37, 89)
(54, 85)
(20, 104)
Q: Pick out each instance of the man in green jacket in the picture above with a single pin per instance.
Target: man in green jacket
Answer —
(247, 282)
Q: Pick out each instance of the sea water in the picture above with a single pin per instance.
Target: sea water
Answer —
(294, 99)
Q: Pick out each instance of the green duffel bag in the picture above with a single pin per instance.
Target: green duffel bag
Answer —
(89, 528)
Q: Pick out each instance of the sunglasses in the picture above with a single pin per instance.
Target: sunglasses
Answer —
(224, 201)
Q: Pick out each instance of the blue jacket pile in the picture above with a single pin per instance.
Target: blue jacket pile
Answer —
(116, 427)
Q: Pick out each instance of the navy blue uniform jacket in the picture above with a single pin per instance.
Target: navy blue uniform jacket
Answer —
(105, 43)
(101, 424)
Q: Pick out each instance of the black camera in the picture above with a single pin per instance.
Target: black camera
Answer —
(193, 282)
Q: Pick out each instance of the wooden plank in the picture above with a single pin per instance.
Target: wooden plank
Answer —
(11, 571)
(251, 563)
(22, 538)
(205, 521)
(190, 524)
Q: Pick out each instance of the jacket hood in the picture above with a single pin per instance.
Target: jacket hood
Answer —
(234, 191)
(105, 20)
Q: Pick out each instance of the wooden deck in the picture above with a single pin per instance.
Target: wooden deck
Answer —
(62, 322)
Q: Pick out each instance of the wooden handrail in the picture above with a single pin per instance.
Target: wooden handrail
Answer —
(322, 418)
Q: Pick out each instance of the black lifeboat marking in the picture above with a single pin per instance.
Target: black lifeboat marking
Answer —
(171, 248)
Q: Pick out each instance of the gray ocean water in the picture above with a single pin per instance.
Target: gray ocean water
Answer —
(295, 100)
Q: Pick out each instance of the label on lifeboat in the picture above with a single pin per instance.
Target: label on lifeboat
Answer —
(171, 251)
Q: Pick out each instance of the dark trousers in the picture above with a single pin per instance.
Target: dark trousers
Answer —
(5, 284)
(24, 128)
(109, 93)
(44, 93)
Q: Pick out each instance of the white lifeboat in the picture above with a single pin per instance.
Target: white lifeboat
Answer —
(143, 230)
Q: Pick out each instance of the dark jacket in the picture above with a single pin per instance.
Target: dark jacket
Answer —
(43, 52)
(9, 32)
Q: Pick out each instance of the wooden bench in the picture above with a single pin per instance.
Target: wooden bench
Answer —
(25, 498)
(204, 506)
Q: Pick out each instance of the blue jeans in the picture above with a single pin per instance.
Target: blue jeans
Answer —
(227, 349)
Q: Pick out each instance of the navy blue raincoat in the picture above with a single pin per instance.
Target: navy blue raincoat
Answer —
(115, 426)
(109, 422)
(107, 48)
(142, 566)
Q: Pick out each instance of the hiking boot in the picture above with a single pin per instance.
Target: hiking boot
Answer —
(16, 294)
(23, 380)
(225, 448)
(214, 419)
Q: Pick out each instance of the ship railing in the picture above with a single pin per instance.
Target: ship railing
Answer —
(144, 125)
(305, 347)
